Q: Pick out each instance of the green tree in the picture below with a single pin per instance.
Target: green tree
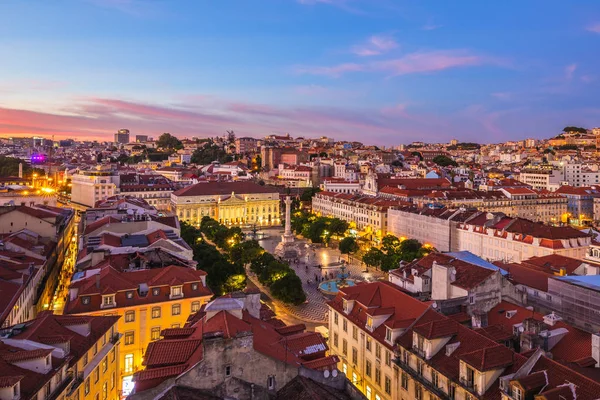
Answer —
(316, 230)
(444, 161)
(289, 290)
(189, 233)
(409, 249)
(308, 194)
(245, 252)
(390, 261)
(274, 271)
(337, 226)
(348, 246)
(390, 244)
(169, 142)
(210, 152)
(574, 129)
(373, 257)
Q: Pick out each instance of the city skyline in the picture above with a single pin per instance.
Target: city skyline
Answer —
(382, 70)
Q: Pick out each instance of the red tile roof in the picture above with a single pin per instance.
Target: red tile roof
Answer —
(159, 373)
(111, 281)
(167, 352)
(437, 329)
(575, 345)
(25, 355)
(225, 324)
(223, 188)
(489, 358)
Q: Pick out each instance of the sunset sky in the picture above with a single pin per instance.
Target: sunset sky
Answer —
(379, 71)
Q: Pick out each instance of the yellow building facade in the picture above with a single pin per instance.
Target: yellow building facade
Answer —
(147, 302)
(230, 203)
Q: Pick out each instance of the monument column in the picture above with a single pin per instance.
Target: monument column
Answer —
(287, 248)
(288, 217)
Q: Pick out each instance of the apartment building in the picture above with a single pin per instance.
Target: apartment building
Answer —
(147, 300)
(432, 225)
(549, 180)
(497, 237)
(340, 185)
(391, 346)
(154, 189)
(580, 206)
(296, 175)
(453, 280)
(89, 187)
(246, 145)
(517, 202)
(35, 243)
(227, 202)
(581, 175)
(366, 214)
(60, 357)
(577, 299)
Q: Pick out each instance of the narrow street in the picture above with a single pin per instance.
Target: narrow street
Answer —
(66, 273)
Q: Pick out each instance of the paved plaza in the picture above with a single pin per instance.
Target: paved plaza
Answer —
(315, 310)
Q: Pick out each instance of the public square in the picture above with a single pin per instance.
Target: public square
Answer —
(314, 311)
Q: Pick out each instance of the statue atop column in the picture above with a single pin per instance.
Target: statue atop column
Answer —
(288, 248)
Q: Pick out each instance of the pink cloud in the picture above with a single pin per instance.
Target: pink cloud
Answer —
(376, 45)
(99, 118)
(428, 62)
(502, 95)
(594, 28)
(310, 90)
(397, 110)
(588, 78)
(419, 62)
(333, 72)
(569, 71)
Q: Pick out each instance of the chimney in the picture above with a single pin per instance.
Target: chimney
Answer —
(98, 280)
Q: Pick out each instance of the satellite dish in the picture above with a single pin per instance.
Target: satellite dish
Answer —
(334, 373)
(521, 329)
(434, 305)
(326, 373)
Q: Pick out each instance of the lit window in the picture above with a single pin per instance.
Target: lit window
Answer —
(195, 306)
(155, 333)
(155, 312)
(128, 363)
(176, 309)
(130, 316)
(129, 337)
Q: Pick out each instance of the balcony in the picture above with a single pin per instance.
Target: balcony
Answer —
(414, 374)
(76, 383)
(420, 352)
(61, 389)
(115, 338)
(469, 385)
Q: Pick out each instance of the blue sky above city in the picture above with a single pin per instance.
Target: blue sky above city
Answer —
(379, 71)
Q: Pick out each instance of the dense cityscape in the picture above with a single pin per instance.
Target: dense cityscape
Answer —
(299, 200)
(273, 267)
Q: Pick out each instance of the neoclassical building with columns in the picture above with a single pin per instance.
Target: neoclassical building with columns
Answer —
(230, 203)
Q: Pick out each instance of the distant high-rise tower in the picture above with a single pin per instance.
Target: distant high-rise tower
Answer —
(122, 136)
(141, 138)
